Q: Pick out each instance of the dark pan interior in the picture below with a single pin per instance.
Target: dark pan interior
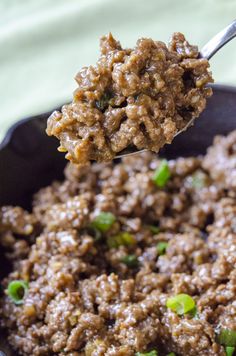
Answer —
(29, 159)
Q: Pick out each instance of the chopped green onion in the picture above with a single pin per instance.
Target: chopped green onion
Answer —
(130, 260)
(103, 102)
(127, 238)
(103, 221)
(95, 232)
(114, 241)
(229, 350)
(150, 353)
(171, 354)
(162, 174)
(181, 304)
(122, 239)
(17, 290)
(227, 337)
(154, 229)
(194, 313)
(161, 247)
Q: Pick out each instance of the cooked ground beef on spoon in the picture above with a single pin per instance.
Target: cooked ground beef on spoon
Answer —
(140, 97)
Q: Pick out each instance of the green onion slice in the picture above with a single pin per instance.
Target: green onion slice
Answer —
(122, 239)
(130, 260)
(103, 102)
(95, 232)
(162, 174)
(171, 354)
(161, 247)
(229, 350)
(150, 353)
(194, 313)
(103, 221)
(154, 229)
(227, 337)
(16, 290)
(181, 304)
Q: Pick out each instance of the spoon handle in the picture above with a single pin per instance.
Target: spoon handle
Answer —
(219, 41)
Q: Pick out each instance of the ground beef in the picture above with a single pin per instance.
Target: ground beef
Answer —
(83, 300)
(224, 170)
(137, 97)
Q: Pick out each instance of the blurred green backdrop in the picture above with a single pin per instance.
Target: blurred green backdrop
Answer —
(43, 43)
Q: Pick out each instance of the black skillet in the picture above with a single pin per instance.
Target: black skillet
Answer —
(29, 159)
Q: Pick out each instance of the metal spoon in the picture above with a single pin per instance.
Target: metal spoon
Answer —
(208, 51)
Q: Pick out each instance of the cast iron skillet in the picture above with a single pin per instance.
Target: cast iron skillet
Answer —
(29, 159)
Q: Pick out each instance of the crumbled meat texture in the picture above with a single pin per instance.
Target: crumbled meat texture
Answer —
(138, 97)
(17, 231)
(83, 301)
(224, 170)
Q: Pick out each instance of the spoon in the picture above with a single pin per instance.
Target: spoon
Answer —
(208, 51)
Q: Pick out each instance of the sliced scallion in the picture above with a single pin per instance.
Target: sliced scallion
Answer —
(103, 102)
(150, 353)
(103, 221)
(227, 337)
(16, 290)
(130, 261)
(122, 239)
(154, 229)
(97, 234)
(229, 350)
(194, 313)
(181, 304)
(162, 174)
(161, 247)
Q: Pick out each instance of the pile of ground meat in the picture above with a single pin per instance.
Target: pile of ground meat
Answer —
(97, 290)
(138, 97)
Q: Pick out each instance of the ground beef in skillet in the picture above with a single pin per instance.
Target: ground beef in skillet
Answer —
(132, 97)
(82, 300)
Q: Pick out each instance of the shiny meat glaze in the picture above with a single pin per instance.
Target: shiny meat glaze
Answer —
(82, 300)
(132, 97)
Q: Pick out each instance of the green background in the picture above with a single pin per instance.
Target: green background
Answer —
(43, 43)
